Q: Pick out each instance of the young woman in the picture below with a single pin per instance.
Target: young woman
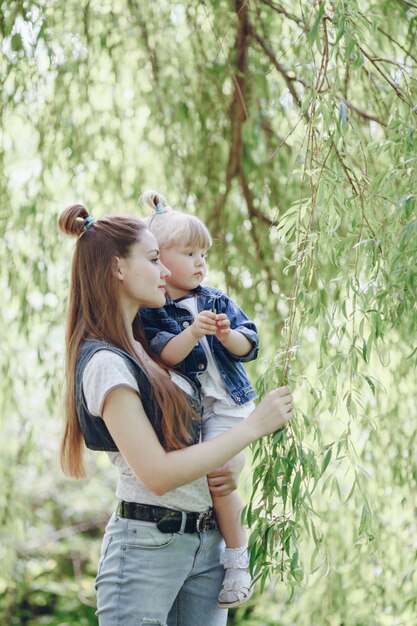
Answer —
(160, 559)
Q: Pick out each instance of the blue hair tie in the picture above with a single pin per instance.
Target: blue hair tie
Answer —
(160, 208)
(88, 222)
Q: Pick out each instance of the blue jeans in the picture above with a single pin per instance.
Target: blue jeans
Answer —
(148, 577)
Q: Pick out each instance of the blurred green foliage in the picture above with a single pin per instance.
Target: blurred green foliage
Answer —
(290, 128)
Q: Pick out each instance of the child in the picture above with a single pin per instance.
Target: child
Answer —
(205, 336)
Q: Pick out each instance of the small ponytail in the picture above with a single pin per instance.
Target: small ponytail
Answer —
(154, 200)
(171, 227)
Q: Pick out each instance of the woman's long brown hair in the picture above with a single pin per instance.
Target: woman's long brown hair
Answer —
(94, 311)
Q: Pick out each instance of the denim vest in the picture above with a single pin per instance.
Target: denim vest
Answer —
(163, 324)
(95, 432)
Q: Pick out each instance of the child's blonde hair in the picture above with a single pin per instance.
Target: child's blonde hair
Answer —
(173, 228)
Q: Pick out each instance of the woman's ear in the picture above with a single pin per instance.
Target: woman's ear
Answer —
(117, 267)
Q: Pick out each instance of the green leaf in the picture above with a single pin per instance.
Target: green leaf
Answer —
(312, 36)
(326, 461)
(365, 521)
(295, 488)
(370, 383)
(16, 43)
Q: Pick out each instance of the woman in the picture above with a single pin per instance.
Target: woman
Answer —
(160, 553)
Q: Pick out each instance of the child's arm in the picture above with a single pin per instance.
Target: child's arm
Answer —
(235, 331)
(232, 340)
(181, 345)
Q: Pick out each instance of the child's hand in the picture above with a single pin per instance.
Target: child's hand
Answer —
(222, 326)
(224, 479)
(204, 324)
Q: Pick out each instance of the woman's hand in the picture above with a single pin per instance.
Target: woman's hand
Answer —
(224, 479)
(272, 413)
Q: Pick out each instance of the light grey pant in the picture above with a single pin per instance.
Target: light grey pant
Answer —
(148, 577)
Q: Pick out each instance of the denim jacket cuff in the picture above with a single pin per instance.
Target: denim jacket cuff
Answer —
(251, 336)
(159, 342)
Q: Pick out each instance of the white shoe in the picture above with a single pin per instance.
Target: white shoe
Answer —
(237, 584)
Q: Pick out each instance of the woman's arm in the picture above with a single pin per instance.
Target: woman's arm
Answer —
(162, 471)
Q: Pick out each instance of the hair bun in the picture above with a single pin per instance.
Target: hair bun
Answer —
(72, 220)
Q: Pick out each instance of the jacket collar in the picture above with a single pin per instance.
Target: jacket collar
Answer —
(201, 291)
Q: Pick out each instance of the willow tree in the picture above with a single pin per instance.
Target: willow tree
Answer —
(291, 129)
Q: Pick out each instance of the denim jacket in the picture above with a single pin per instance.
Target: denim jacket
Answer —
(163, 324)
(95, 432)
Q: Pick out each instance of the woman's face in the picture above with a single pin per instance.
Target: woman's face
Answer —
(141, 274)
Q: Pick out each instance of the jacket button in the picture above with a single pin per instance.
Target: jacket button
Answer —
(185, 324)
(238, 399)
(200, 366)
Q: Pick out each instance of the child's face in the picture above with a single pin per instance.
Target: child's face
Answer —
(188, 267)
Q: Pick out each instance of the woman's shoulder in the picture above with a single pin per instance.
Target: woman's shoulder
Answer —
(105, 371)
(102, 360)
(109, 364)
(106, 357)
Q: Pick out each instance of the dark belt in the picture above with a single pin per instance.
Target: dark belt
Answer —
(169, 520)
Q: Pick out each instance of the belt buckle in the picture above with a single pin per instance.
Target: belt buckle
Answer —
(202, 524)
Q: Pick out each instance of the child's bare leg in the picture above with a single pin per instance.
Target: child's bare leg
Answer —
(228, 510)
(236, 587)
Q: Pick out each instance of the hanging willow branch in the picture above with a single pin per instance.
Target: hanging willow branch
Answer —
(286, 471)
